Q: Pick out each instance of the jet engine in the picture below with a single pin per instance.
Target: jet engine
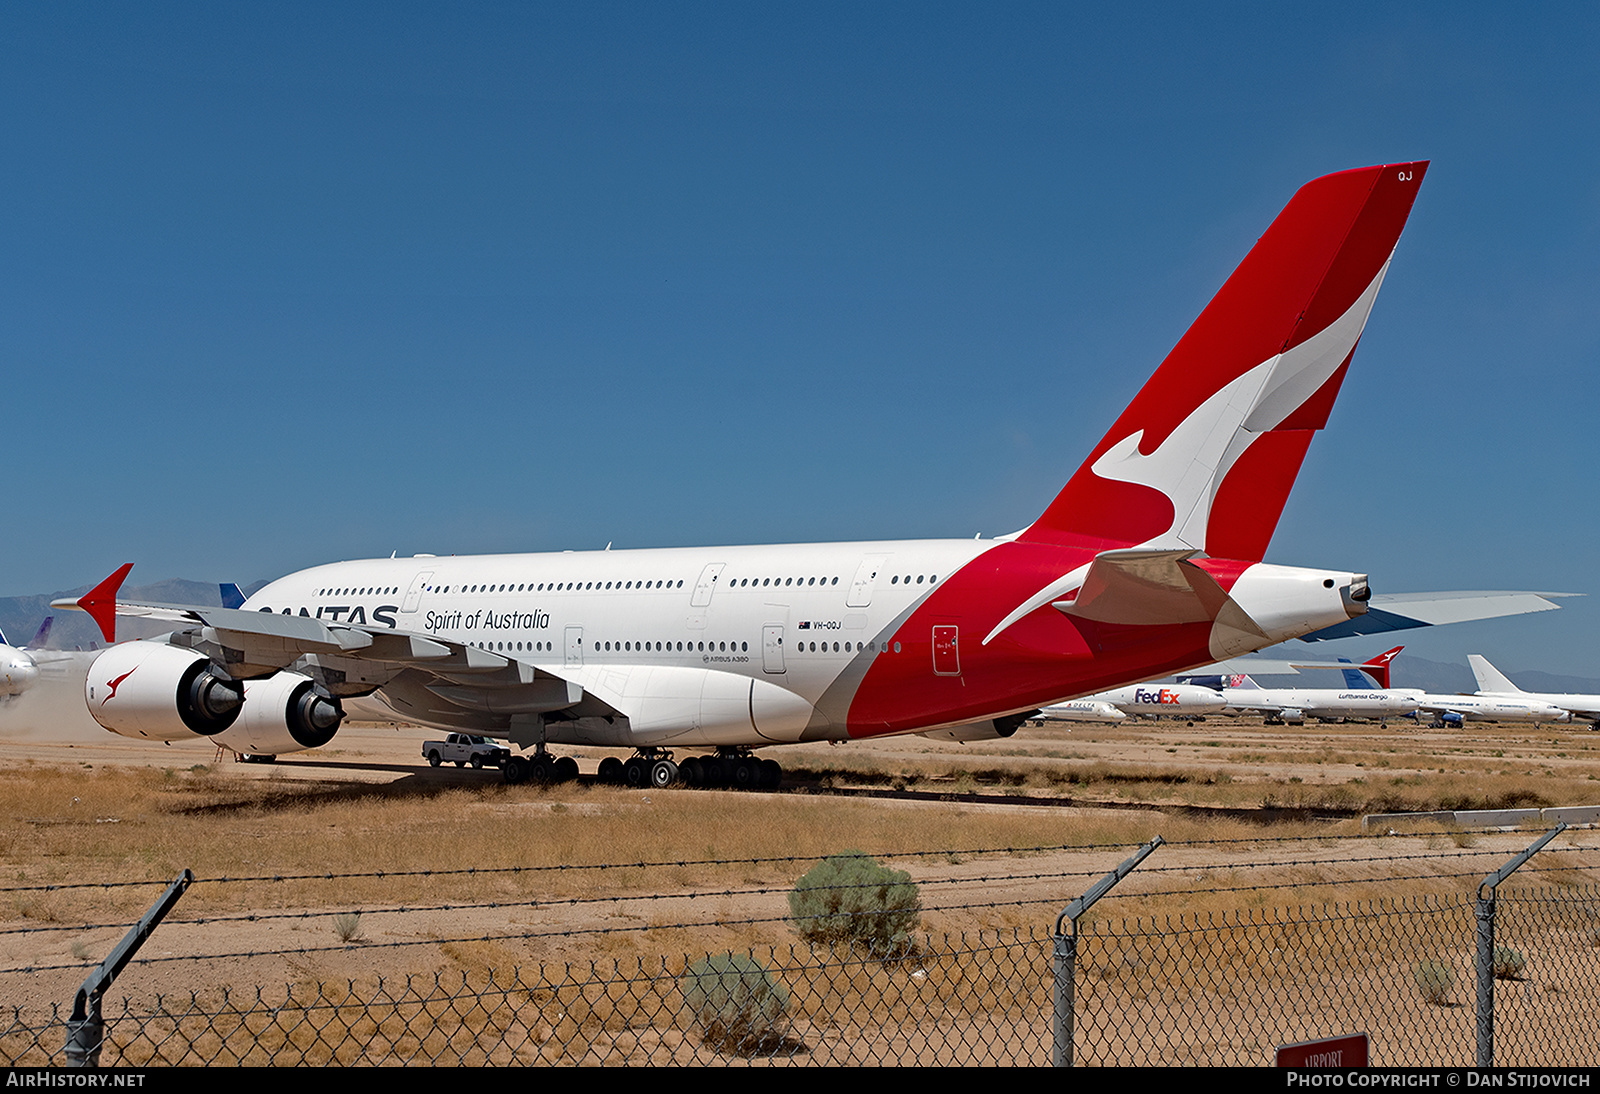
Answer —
(991, 730)
(158, 692)
(282, 713)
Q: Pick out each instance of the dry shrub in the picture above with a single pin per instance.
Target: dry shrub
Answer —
(1435, 980)
(736, 1003)
(850, 897)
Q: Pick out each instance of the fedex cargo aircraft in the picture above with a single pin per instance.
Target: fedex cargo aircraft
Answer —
(1148, 562)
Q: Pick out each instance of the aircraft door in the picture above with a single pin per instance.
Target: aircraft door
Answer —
(772, 647)
(707, 584)
(946, 651)
(414, 594)
(575, 647)
(866, 576)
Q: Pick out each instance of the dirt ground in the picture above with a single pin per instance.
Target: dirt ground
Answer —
(296, 941)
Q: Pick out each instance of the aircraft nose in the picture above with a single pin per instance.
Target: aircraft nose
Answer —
(21, 672)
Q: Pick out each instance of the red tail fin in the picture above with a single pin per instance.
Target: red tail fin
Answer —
(1378, 667)
(1206, 453)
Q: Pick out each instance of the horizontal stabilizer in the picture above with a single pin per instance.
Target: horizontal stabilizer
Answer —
(1402, 611)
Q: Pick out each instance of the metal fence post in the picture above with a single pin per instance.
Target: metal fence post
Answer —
(1065, 964)
(1066, 970)
(1484, 960)
(85, 1030)
(1484, 969)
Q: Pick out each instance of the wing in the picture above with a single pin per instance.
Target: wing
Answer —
(435, 680)
(460, 686)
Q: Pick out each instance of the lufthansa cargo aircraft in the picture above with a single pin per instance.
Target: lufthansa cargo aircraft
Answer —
(1148, 562)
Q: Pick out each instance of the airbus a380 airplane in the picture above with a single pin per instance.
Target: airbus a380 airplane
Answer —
(1148, 562)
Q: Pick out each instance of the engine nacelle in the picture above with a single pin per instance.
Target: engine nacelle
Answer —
(160, 693)
(282, 713)
(992, 730)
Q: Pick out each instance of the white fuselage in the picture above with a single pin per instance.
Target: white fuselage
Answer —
(1478, 708)
(801, 616)
(1584, 706)
(1163, 700)
(1081, 710)
(1326, 702)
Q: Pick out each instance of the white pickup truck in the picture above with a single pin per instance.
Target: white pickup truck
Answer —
(461, 750)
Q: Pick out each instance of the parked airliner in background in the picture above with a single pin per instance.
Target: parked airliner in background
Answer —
(1079, 710)
(17, 670)
(1148, 562)
(1359, 698)
(19, 665)
(1453, 710)
(1151, 701)
(1493, 684)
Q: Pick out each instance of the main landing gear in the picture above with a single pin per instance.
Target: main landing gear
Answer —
(541, 767)
(654, 767)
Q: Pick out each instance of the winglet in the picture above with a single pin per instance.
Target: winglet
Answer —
(232, 595)
(101, 602)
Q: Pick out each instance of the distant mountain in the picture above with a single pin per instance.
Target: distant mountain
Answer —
(20, 616)
(1439, 677)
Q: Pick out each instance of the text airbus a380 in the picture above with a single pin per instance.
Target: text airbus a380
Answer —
(1148, 562)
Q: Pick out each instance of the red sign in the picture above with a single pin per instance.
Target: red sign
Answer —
(1350, 1051)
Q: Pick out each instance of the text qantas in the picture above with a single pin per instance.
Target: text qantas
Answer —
(434, 622)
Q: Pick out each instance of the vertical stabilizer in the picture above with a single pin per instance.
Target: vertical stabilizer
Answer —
(1353, 680)
(1204, 456)
(1376, 667)
(1490, 679)
(42, 636)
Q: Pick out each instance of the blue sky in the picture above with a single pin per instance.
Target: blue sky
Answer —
(297, 283)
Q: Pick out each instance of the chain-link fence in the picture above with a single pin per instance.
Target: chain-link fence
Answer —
(1158, 988)
(966, 1000)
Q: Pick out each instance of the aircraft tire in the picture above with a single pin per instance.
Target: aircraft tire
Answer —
(663, 773)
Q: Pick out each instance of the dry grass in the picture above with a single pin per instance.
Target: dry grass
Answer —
(64, 823)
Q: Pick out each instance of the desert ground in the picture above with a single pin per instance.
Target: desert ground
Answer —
(450, 869)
